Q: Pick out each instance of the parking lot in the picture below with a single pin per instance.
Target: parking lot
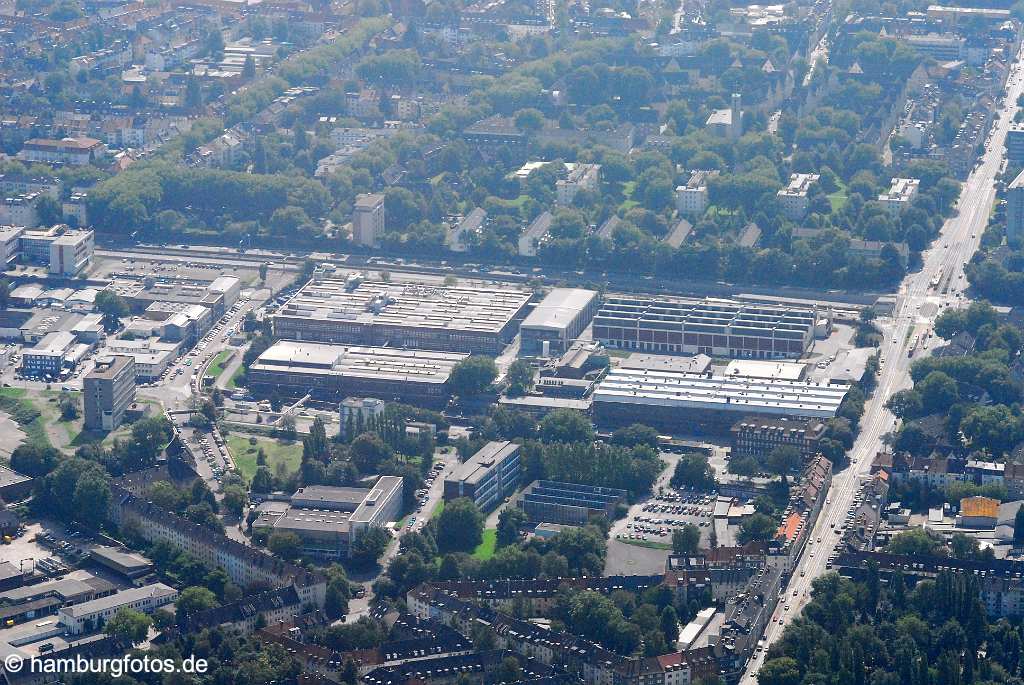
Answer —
(669, 511)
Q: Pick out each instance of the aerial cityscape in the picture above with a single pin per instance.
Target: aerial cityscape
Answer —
(511, 342)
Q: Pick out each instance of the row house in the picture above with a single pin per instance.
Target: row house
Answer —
(999, 580)
(245, 565)
(591, 662)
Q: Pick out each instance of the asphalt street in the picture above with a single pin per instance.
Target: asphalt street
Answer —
(918, 305)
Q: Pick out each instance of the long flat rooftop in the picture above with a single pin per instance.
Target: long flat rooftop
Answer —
(559, 308)
(736, 394)
(380, 363)
(478, 465)
(706, 315)
(485, 309)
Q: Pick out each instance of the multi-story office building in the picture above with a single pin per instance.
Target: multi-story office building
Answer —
(487, 477)
(558, 320)
(152, 357)
(50, 355)
(580, 177)
(1015, 212)
(108, 390)
(757, 436)
(17, 184)
(794, 196)
(71, 253)
(669, 399)
(901, 193)
(717, 328)
(569, 503)
(20, 210)
(89, 616)
(368, 219)
(73, 151)
(359, 410)
(329, 519)
(692, 198)
(333, 372)
(10, 244)
(1015, 144)
(459, 318)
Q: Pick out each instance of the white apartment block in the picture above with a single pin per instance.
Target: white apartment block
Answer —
(71, 253)
(368, 219)
(89, 616)
(692, 198)
(581, 177)
(794, 196)
(20, 210)
(900, 194)
(10, 244)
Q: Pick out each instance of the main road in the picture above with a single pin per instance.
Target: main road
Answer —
(919, 302)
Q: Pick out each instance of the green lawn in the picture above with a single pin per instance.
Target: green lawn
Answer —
(233, 381)
(216, 367)
(838, 198)
(14, 402)
(278, 452)
(485, 550)
(437, 510)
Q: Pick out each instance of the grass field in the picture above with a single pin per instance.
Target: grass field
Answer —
(233, 381)
(838, 198)
(485, 550)
(216, 367)
(287, 453)
(29, 415)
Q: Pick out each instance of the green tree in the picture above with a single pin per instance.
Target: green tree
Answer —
(472, 375)
(49, 211)
(915, 541)
(510, 520)
(757, 528)
(905, 404)
(685, 540)
(262, 481)
(315, 446)
(368, 451)
(460, 526)
(32, 460)
(693, 471)
(113, 308)
(938, 392)
(670, 624)
(784, 459)
(520, 377)
(5, 293)
(529, 120)
(234, 500)
(285, 544)
(249, 67)
(634, 435)
(509, 671)
(194, 599)
(129, 626)
(567, 426)
(779, 671)
(369, 546)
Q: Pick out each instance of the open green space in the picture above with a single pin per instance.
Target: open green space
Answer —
(219, 363)
(485, 550)
(29, 415)
(278, 452)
